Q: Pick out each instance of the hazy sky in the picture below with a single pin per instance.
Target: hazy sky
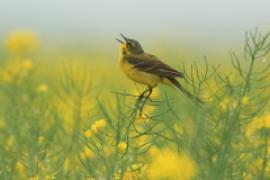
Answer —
(205, 19)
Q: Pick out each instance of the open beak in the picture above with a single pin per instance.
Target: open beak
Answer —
(122, 42)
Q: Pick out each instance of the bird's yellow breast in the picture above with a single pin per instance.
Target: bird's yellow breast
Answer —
(136, 75)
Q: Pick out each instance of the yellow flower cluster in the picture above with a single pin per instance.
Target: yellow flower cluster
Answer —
(258, 123)
(88, 153)
(226, 103)
(88, 133)
(98, 125)
(168, 164)
(95, 128)
(22, 42)
(122, 146)
(42, 88)
(130, 176)
(16, 71)
(231, 102)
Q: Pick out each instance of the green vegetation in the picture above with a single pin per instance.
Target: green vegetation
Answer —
(68, 124)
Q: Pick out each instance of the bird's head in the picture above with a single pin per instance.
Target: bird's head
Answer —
(130, 45)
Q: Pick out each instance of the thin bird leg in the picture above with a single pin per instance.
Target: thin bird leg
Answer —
(143, 93)
(150, 90)
(141, 97)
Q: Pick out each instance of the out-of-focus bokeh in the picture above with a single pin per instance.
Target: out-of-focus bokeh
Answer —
(68, 112)
(176, 26)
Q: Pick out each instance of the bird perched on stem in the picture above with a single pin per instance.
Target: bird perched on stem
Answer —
(147, 69)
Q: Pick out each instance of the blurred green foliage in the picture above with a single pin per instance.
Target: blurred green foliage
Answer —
(78, 120)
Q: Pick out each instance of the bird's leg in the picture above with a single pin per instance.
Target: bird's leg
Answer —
(143, 93)
(141, 97)
(149, 92)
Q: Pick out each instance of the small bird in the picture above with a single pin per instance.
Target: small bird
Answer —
(147, 69)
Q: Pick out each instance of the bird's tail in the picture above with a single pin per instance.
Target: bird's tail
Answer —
(186, 92)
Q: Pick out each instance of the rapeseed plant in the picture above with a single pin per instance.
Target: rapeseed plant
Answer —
(64, 128)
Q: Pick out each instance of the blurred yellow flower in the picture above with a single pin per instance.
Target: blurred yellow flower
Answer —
(257, 123)
(254, 168)
(130, 176)
(22, 41)
(16, 71)
(88, 133)
(2, 123)
(226, 103)
(7, 76)
(207, 97)
(122, 146)
(153, 151)
(88, 153)
(34, 178)
(21, 169)
(42, 88)
(117, 175)
(10, 142)
(98, 125)
(143, 139)
(245, 100)
(170, 165)
(41, 139)
(67, 164)
(223, 105)
(27, 64)
(49, 177)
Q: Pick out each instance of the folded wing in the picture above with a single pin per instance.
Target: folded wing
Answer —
(151, 64)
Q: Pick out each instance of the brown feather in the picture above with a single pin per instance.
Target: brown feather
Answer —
(151, 64)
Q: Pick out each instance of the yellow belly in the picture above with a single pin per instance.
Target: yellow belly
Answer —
(139, 76)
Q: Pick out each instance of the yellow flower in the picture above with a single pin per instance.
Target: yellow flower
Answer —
(254, 168)
(88, 133)
(21, 169)
(10, 142)
(2, 123)
(11, 72)
(49, 177)
(67, 164)
(170, 165)
(88, 153)
(153, 151)
(207, 97)
(41, 139)
(117, 175)
(130, 176)
(34, 178)
(98, 125)
(23, 41)
(16, 71)
(7, 77)
(245, 100)
(122, 146)
(258, 123)
(226, 103)
(27, 64)
(42, 88)
(223, 105)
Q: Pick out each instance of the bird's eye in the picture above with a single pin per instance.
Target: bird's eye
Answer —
(130, 44)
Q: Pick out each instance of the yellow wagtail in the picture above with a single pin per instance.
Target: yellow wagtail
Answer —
(147, 69)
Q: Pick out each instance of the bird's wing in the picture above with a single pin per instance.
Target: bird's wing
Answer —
(151, 64)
